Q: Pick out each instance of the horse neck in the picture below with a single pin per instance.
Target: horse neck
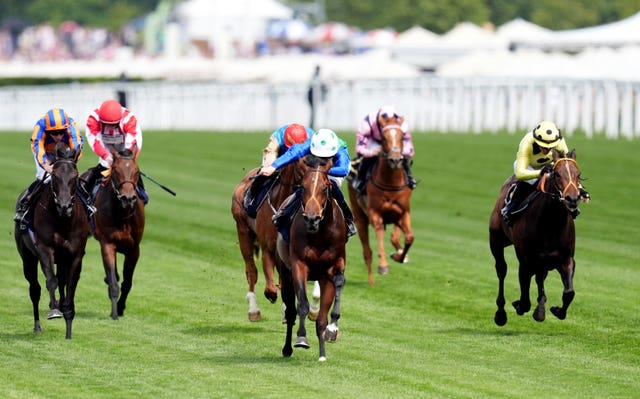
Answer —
(547, 210)
(384, 173)
(284, 188)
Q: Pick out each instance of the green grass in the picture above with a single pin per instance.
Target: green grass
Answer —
(425, 330)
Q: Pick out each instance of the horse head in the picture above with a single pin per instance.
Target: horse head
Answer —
(392, 138)
(563, 179)
(64, 178)
(316, 188)
(124, 178)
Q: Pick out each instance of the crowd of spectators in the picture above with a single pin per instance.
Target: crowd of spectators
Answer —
(69, 41)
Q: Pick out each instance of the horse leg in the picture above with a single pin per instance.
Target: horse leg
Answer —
(111, 276)
(30, 271)
(128, 268)
(497, 250)
(331, 332)
(538, 314)
(314, 308)
(68, 306)
(289, 300)
(46, 262)
(326, 299)
(248, 248)
(299, 276)
(268, 266)
(378, 227)
(401, 255)
(523, 305)
(566, 273)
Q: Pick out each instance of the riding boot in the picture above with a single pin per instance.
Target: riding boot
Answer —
(509, 202)
(281, 218)
(364, 169)
(26, 200)
(94, 174)
(142, 193)
(406, 164)
(515, 195)
(346, 211)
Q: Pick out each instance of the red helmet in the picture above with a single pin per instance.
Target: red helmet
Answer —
(110, 112)
(294, 134)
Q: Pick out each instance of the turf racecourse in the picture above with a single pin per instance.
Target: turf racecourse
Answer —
(425, 330)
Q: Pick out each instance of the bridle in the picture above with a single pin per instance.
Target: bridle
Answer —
(54, 177)
(560, 192)
(314, 199)
(385, 156)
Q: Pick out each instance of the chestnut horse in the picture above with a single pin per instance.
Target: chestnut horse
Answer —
(58, 236)
(316, 251)
(259, 233)
(385, 201)
(119, 225)
(543, 237)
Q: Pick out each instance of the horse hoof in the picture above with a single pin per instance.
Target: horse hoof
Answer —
(558, 312)
(330, 334)
(54, 314)
(520, 310)
(500, 318)
(538, 315)
(397, 257)
(322, 359)
(312, 315)
(255, 316)
(287, 351)
(301, 342)
(383, 270)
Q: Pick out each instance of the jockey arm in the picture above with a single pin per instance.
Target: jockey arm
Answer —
(341, 163)
(366, 145)
(38, 144)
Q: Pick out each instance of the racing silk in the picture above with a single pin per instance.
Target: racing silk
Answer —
(528, 164)
(103, 137)
(369, 137)
(341, 161)
(276, 146)
(42, 144)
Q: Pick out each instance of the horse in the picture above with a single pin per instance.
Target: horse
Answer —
(259, 233)
(316, 251)
(58, 235)
(119, 226)
(387, 200)
(543, 237)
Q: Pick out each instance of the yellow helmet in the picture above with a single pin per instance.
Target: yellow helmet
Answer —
(547, 134)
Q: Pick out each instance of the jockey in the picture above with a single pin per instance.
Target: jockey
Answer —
(368, 146)
(534, 152)
(55, 126)
(323, 143)
(279, 142)
(112, 127)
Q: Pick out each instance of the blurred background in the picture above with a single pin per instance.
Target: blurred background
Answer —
(469, 65)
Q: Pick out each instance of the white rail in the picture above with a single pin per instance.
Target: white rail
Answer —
(429, 104)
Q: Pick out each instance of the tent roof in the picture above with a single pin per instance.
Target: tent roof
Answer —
(614, 34)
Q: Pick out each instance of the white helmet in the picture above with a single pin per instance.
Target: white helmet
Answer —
(324, 143)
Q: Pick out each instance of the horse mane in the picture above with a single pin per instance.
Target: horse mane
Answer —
(315, 161)
(63, 151)
(125, 153)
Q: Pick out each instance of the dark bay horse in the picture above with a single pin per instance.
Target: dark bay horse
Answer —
(316, 251)
(58, 237)
(259, 233)
(386, 200)
(543, 237)
(119, 225)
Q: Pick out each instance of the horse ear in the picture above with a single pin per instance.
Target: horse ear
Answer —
(572, 154)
